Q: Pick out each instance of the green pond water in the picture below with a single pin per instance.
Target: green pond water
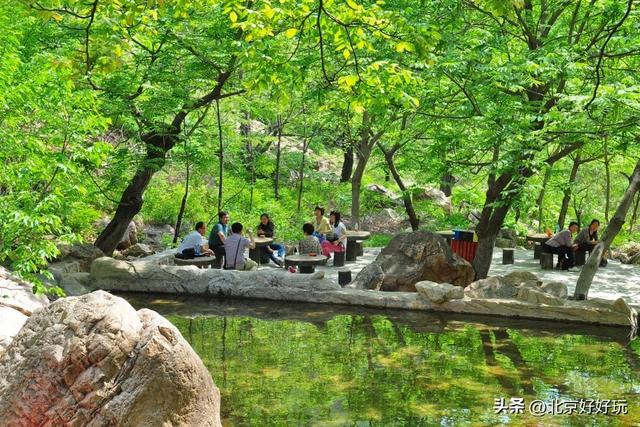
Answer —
(297, 364)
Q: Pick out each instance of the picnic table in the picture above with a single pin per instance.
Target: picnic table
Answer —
(200, 262)
(256, 254)
(353, 239)
(306, 263)
(539, 239)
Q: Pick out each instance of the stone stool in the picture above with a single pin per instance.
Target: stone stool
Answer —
(537, 250)
(344, 277)
(338, 259)
(507, 256)
(546, 261)
(359, 249)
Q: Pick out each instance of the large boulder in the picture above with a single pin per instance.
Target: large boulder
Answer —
(501, 242)
(93, 360)
(438, 293)
(17, 303)
(436, 196)
(370, 277)
(417, 256)
(516, 278)
(629, 253)
(382, 196)
(557, 289)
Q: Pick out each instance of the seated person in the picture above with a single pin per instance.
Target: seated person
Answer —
(310, 243)
(195, 241)
(266, 229)
(234, 247)
(587, 239)
(338, 242)
(218, 235)
(562, 244)
(320, 224)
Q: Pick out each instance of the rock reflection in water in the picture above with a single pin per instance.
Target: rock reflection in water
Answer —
(301, 364)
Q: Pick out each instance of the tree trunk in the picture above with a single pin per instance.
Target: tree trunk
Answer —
(305, 145)
(634, 216)
(567, 192)
(131, 200)
(245, 131)
(183, 205)
(607, 188)
(220, 157)
(540, 201)
(347, 164)
(447, 180)
(406, 195)
(363, 152)
(613, 228)
(276, 180)
(487, 231)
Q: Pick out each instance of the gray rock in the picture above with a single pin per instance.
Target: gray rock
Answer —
(439, 292)
(557, 289)
(139, 250)
(84, 254)
(413, 257)
(129, 238)
(17, 303)
(534, 296)
(384, 221)
(517, 277)
(108, 273)
(491, 287)
(155, 234)
(507, 233)
(370, 277)
(93, 360)
(74, 284)
(436, 196)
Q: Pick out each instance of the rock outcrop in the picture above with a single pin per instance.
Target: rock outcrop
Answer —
(436, 196)
(438, 293)
(384, 221)
(17, 304)
(138, 250)
(75, 259)
(418, 256)
(95, 361)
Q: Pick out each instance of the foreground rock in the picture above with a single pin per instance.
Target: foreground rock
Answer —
(17, 304)
(439, 292)
(418, 256)
(93, 360)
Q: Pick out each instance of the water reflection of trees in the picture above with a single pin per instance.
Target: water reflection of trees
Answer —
(352, 368)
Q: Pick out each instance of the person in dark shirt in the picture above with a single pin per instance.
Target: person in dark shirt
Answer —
(218, 235)
(588, 238)
(266, 228)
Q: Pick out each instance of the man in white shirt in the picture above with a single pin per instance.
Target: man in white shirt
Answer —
(195, 241)
(234, 247)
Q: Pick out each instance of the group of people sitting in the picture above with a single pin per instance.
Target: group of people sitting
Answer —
(321, 235)
(564, 245)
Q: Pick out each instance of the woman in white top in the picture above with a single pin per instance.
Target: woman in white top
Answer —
(338, 241)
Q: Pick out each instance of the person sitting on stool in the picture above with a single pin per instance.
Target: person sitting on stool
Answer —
(562, 245)
(195, 241)
(587, 239)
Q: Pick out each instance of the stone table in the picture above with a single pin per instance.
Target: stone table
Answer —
(200, 262)
(539, 239)
(256, 254)
(353, 238)
(307, 263)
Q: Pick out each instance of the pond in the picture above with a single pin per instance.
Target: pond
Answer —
(300, 364)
